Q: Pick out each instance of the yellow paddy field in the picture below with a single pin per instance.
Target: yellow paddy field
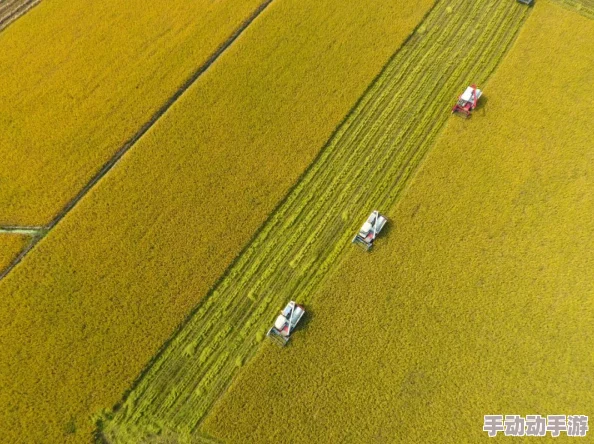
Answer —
(78, 80)
(10, 246)
(479, 298)
(104, 289)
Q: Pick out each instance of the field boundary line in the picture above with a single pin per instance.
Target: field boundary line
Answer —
(21, 10)
(35, 234)
(113, 161)
(34, 239)
(30, 231)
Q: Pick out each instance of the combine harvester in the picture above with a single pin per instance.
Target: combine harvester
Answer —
(369, 231)
(526, 2)
(467, 101)
(285, 323)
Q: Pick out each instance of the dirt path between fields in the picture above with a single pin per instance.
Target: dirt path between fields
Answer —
(40, 232)
(29, 231)
(10, 10)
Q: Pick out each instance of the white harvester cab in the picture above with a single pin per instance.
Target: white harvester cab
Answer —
(285, 323)
(370, 229)
(467, 101)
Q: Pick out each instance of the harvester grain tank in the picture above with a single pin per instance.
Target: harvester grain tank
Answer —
(467, 101)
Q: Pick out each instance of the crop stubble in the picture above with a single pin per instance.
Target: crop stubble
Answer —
(107, 285)
(365, 165)
(480, 298)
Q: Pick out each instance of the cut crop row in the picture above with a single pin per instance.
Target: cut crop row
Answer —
(364, 166)
(583, 7)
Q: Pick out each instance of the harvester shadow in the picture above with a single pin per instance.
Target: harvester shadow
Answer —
(383, 237)
(481, 105)
(303, 325)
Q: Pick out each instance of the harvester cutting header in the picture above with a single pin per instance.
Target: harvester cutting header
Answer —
(370, 229)
(467, 101)
(285, 323)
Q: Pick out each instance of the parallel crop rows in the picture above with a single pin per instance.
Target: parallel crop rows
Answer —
(10, 10)
(364, 166)
(583, 7)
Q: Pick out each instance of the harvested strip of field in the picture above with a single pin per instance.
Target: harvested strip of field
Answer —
(109, 284)
(79, 80)
(364, 166)
(479, 300)
(583, 7)
(10, 246)
(10, 10)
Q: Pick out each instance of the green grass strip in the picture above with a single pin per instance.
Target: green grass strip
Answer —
(364, 166)
(582, 7)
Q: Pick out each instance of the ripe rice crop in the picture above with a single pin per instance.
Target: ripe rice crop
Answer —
(107, 286)
(479, 299)
(365, 165)
(10, 246)
(78, 81)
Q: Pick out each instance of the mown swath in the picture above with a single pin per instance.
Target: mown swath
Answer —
(583, 7)
(364, 166)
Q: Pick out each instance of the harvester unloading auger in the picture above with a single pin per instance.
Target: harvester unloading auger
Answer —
(285, 323)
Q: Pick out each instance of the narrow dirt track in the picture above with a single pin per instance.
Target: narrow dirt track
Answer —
(10, 10)
(112, 162)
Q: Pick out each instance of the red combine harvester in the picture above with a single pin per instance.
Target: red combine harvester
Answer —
(467, 101)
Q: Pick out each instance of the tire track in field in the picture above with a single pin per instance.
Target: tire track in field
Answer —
(113, 161)
(365, 165)
(10, 10)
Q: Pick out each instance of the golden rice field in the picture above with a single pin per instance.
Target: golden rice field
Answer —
(479, 299)
(78, 82)
(245, 143)
(10, 246)
(366, 164)
(109, 284)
